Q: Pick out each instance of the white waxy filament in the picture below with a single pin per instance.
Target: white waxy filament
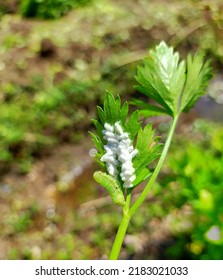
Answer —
(119, 153)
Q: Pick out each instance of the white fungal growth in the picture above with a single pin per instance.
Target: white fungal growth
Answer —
(119, 153)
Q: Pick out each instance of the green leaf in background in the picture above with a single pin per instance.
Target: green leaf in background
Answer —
(132, 126)
(147, 110)
(48, 9)
(148, 151)
(174, 85)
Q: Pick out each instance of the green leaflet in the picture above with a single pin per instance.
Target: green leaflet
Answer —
(198, 75)
(113, 111)
(147, 110)
(111, 185)
(148, 151)
(174, 85)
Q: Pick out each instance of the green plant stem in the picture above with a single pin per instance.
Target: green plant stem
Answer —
(127, 211)
(117, 245)
(144, 193)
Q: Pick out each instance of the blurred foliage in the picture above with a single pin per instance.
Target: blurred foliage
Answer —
(53, 73)
(30, 123)
(23, 121)
(193, 179)
(48, 9)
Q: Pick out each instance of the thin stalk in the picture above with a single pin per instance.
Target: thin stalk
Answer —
(127, 211)
(144, 194)
(117, 245)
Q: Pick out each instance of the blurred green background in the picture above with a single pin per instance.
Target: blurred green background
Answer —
(57, 60)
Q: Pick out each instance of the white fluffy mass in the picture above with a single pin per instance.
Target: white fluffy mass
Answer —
(119, 153)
